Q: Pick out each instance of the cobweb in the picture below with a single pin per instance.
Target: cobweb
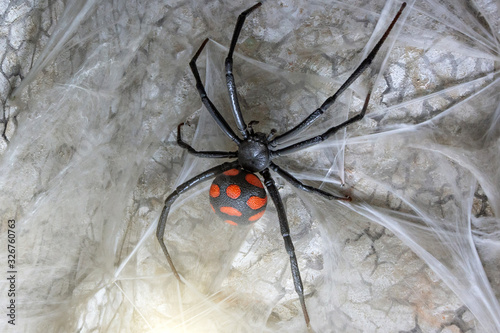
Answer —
(89, 155)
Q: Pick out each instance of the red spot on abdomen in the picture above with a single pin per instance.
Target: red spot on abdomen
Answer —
(232, 172)
(230, 211)
(231, 222)
(233, 191)
(256, 216)
(256, 202)
(254, 180)
(214, 191)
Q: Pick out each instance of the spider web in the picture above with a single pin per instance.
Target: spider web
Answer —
(91, 156)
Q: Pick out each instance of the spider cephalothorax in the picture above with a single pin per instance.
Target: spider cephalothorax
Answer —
(253, 153)
(237, 195)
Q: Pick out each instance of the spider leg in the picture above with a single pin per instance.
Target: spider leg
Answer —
(330, 100)
(207, 102)
(322, 137)
(298, 184)
(205, 154)
(231, 86)
(285, 232)
(160, 230)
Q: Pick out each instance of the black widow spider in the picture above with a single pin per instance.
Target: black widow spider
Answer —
(255, 154)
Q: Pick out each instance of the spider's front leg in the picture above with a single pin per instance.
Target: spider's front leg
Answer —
(206, 153)
(322, 137)
(231, 86)
(298, 184)
(330, 100)
(224, 126)
(160, 230)
(285, 232)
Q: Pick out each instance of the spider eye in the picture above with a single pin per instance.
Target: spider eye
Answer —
(238, 197)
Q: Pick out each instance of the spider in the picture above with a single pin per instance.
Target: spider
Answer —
(237, 194)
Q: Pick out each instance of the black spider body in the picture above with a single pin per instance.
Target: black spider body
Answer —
(237, 195)
(254, 154)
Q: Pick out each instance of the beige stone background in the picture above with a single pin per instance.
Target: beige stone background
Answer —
(91, 94)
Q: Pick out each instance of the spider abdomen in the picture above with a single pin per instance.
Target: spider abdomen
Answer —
(238, 197)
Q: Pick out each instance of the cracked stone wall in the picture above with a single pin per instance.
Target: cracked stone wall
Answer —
(91, 96)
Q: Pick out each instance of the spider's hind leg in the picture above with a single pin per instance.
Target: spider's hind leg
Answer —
(160, 230)
(285, 232)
